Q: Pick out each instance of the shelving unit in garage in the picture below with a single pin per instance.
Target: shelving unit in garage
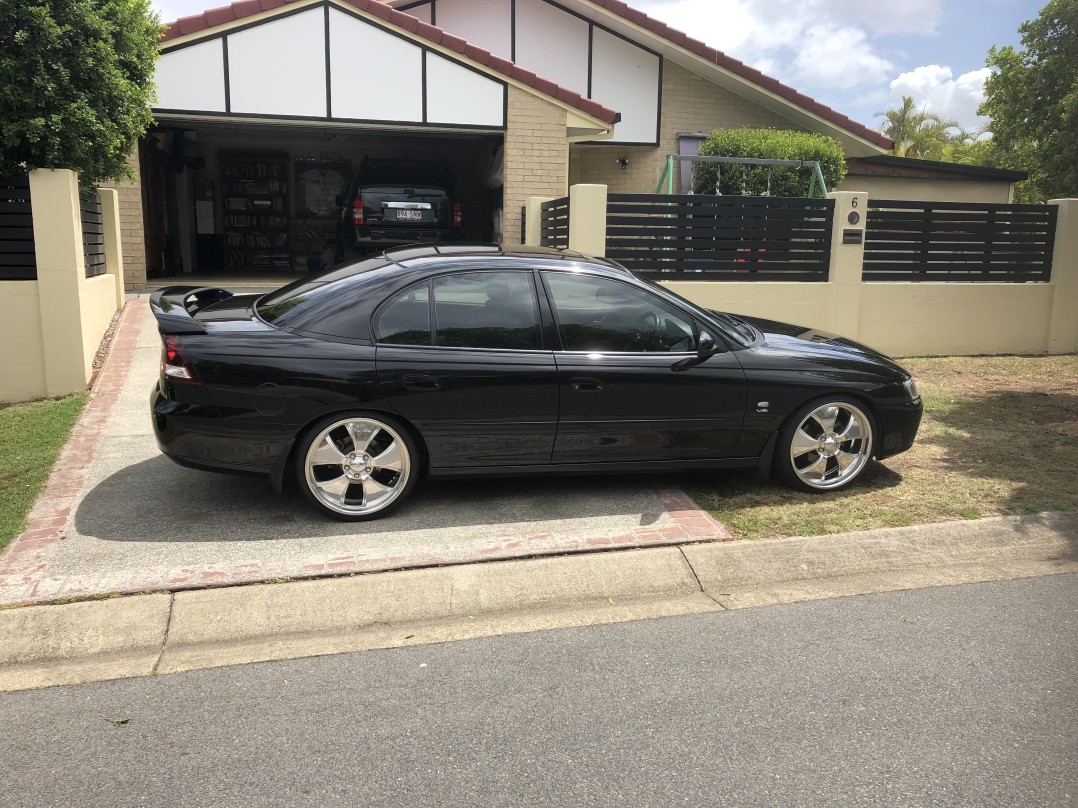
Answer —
(254, 190)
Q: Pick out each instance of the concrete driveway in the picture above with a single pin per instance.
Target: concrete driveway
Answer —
(117, 516)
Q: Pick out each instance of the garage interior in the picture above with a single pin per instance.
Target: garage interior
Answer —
(221, 197)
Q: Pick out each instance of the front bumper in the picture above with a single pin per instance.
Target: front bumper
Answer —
(899, 423)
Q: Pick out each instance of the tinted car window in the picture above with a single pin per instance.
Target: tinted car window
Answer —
(303, 296)
(406, 319)
(487, 310)
(599, 314)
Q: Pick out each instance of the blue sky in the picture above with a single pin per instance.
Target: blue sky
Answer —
(858, 56)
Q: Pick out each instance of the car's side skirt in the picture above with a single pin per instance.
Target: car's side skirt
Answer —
(627, 467)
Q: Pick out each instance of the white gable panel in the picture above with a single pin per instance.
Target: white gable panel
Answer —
(486, 23)
(421, 13)
(552, 43)
(625, 78)
(279, 67)
(192, 78)
(458, 95)
(359, 51)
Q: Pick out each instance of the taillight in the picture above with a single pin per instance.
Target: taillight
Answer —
(458, 217)
(175, 363)
(357, 212)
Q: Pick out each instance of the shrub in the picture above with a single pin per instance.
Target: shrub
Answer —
(773, 144)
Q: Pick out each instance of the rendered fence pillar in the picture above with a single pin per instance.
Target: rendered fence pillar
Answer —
(1063, 324)
(847, 262)
(533, 232)
(61, 273)
(587, 219)
(114, 257)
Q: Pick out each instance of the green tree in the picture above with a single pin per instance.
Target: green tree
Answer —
(76, 84)
(916, 132)
(774, 144)
(1032, 100)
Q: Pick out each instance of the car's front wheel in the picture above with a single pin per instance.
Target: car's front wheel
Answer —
(826, 445)
(357, 467)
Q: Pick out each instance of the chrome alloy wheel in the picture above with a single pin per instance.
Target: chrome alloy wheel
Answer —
(831, 445)
(357, 466)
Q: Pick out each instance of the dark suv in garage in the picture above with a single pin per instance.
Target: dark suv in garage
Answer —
(393, 202)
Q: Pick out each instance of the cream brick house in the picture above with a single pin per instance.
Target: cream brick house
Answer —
(265, 105)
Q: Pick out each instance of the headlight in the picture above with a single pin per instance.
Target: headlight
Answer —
(911, 388)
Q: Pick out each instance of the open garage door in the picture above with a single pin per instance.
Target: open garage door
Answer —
(245, 196)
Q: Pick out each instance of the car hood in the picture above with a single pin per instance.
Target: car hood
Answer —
(799, 343)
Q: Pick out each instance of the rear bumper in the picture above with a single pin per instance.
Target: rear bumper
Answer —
(196, 436)
(367, 235)
(899, 423)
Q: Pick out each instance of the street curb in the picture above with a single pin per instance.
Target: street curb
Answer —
(65, 644)
(81, 642)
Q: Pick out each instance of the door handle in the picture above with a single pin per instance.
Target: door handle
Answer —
(416, 381)
(585, 384)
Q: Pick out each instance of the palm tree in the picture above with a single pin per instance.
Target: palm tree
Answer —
(916, 132)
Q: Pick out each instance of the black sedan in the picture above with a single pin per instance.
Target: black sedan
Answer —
(470, 360)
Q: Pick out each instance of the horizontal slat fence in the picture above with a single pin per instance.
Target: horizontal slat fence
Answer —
(736, 238)
(957, 241)
(18, 261)
(554, 228)
(93, 235)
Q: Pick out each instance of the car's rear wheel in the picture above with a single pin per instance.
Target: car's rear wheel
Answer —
(826, 445)
(357, 467)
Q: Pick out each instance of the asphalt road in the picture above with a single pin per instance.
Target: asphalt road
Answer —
(961, 696)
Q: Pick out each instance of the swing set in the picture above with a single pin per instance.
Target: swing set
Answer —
(666, 179)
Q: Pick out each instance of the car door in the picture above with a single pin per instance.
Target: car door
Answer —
(630, 389)
(461, 356)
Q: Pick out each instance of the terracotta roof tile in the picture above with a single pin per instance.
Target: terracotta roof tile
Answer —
(477, 54)
(429, 32)
(432, 34)
(219, 16)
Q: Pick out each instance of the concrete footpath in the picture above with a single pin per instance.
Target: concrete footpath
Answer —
(173, 632)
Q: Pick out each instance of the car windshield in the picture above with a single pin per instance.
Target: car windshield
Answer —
(738, 330)
(290, 301)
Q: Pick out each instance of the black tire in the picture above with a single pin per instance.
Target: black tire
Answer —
(810, 457)
(371, 465)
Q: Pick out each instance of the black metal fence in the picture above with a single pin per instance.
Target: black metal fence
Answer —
(18, 261)
(736, 238)
(554, 226)
(93, 235)
(957, 241)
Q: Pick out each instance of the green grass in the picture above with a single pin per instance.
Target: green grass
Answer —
(999, 436)
(31, 436)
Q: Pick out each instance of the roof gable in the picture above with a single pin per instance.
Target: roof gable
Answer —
(624, 86)
(457, 63)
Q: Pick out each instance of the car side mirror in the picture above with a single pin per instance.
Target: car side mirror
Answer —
(705, 347)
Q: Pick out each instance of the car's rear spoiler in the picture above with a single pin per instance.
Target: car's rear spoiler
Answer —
(175, 307)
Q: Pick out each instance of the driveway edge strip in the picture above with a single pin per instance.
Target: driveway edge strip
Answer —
(23, 562)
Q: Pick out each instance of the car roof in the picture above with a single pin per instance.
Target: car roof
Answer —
(417, 255)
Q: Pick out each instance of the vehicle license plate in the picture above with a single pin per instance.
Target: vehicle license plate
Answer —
(409, 215)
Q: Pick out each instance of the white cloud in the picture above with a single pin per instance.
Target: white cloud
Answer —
(936, 87)
(840, 57)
